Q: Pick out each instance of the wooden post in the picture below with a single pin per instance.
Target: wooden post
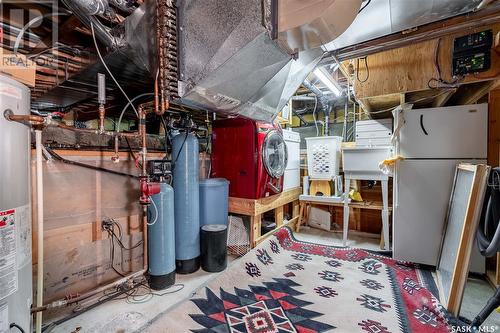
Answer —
(494, 128)
(278, 216)
(494, 150)
(301, 214)
(256, 224)
(97, 230)
(296, 208)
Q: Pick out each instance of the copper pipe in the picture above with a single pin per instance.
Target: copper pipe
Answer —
(102, 115)
(116, 158)
(157, 101)
(24, 119)
(142, 132)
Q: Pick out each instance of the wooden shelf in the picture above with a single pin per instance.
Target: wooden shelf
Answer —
(255, 208)
(360, 205)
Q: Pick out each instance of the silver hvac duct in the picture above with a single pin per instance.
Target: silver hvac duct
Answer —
(248, 58)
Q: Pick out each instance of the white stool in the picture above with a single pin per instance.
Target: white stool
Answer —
(384, 179)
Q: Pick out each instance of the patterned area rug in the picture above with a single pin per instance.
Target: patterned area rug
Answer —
(285, 285)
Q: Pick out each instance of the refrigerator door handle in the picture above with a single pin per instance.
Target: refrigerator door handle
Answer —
(422, 124)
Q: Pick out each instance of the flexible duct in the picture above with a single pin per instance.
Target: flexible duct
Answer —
(85, 11)
(488, 233)
(93, 7)
(121, 5)
(323, 101)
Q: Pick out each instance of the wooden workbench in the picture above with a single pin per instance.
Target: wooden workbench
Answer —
(256, 208)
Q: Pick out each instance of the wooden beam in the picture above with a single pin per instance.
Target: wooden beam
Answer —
(494, 128)
(442, 99)
(475, 94)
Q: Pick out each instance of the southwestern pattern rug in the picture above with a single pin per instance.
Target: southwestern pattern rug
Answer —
(285, 285)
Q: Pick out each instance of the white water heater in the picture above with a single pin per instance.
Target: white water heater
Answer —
(15, 209)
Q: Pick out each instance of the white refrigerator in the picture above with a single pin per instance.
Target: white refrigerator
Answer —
(432, 141)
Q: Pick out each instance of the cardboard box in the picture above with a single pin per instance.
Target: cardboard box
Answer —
(320, 218)
(18, 66)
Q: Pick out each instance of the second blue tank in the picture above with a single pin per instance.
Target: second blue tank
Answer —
(214, 196)
(185, 164)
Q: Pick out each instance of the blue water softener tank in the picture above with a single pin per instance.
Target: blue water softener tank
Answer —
(214, 196)
(161, 239)
(187, 209)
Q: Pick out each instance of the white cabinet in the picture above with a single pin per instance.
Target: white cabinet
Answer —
(291, 178)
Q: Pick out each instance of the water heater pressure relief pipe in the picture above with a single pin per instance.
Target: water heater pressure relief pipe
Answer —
(101, 90)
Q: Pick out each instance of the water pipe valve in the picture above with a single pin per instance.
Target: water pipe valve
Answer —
(147, 190)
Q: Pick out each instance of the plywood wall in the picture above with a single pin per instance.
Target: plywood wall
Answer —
(410, 68)
(76, 199)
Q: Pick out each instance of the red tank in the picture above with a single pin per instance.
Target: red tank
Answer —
(251, 155)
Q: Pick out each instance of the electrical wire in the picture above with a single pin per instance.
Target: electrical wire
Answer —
(14, 325)
(440, 82)
(87, 166)
(130, 103)
(167, 137)
(109, 227)
(133, 298)
(156, 213)
(366, 5)
(107, 69)
(367, 70)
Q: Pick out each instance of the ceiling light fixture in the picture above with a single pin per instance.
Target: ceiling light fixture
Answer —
(327, 80)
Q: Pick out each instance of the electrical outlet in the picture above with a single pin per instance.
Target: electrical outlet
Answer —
(107, 224)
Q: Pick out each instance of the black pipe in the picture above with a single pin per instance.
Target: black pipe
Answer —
(83, 165)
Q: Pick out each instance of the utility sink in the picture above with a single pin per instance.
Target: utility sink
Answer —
(364, 159)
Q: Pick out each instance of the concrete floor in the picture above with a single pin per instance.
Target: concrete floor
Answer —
(124, 317)
(477, 292)
(355, 239)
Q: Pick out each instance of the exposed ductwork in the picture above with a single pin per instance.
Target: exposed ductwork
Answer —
(246, 58)
(238, 57)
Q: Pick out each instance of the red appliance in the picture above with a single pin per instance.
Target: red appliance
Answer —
(251, 155)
